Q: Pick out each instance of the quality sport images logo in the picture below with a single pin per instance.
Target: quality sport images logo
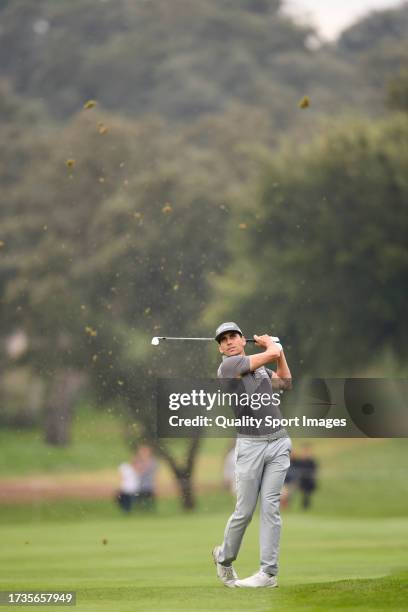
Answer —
(312, 408)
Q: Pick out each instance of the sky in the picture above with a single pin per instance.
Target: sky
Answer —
(332, 16)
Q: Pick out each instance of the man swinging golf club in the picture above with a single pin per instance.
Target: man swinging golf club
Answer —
(261, 459)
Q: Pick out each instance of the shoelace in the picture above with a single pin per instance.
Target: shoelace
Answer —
(229, 572)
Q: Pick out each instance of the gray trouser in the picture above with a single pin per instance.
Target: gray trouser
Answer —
(260, 469)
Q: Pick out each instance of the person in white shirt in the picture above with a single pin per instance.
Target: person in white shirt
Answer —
(129, 486)
(138, 479)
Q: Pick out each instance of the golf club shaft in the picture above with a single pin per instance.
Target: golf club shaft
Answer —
(275, 339)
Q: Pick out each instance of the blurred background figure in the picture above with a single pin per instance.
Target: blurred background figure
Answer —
(229, 469)
(130, 485)
(291, 483)
(307, 474)
(145, 464)
(138, 480)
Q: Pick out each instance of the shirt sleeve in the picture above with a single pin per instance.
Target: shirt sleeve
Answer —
(269, 372)
(235, 366)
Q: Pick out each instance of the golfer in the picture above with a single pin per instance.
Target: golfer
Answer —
(261, 459)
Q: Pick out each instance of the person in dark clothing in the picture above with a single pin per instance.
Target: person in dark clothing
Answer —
(291, 484)
(307, 471)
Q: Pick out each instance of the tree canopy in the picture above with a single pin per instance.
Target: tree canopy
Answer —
(324, 254)
(185, 59)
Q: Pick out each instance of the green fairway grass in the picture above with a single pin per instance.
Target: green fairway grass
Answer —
(163, 563)
(348, 552)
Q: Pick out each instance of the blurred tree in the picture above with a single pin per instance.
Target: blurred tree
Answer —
(183, 62)
(377, 47)
(374, 29)
(397, 94)
(21, 391)
(253, 6)
(21, 397)
(106, 246)
(194, 59)
(323, 258)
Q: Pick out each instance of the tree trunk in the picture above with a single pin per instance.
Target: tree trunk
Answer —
(185, 484)
(184, 473)
(59, 407)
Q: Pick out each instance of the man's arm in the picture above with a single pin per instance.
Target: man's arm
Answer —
(271, 353)
(282, 378)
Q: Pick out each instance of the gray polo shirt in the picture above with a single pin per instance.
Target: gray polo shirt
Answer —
(258, 381)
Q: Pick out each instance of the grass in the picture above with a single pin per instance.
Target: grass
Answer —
(162, 562)
(363, 478)
(70, 510)
(348, 553)
(24, 452)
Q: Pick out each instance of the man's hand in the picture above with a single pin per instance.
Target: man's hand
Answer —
(266, 342)
(272, 352)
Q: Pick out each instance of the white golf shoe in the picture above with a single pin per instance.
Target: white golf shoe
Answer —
(258, 580)
(225, 573)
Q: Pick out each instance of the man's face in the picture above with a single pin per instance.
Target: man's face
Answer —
(232, 343)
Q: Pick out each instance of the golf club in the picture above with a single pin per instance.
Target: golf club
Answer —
(156, 340)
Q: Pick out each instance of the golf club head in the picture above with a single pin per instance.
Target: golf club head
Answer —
(155, 341)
